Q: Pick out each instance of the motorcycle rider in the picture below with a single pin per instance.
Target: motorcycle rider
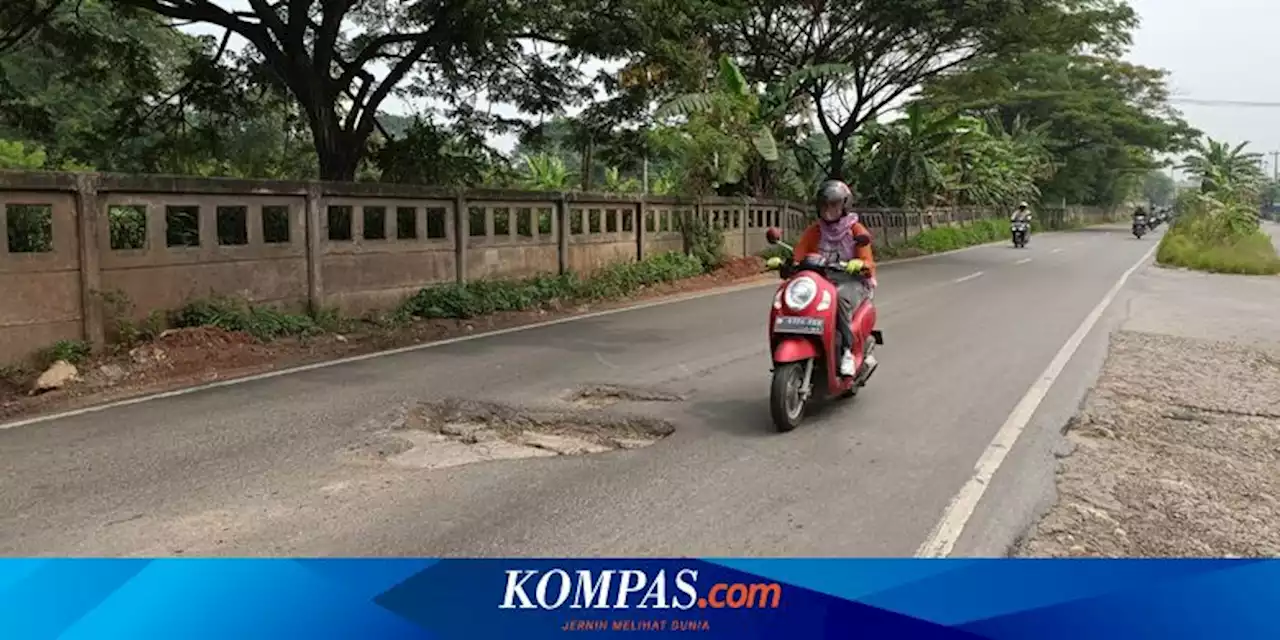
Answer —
(840, 237)
(1021, 214)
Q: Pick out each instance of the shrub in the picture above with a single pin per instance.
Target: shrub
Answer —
(489, 296)
(1250, 253)
(72, 351)
(704, 242)
(1219, 233)
(233, 314)
(952, 238)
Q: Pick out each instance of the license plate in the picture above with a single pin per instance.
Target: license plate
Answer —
(798, 324)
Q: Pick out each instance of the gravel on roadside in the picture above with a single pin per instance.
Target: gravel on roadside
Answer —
(1175, 453)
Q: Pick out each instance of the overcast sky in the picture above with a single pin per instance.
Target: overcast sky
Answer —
(1217, 51)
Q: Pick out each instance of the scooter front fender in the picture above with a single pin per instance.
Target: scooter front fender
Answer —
(794, 350)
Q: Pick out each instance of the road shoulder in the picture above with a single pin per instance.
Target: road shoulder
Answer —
(1174, 452)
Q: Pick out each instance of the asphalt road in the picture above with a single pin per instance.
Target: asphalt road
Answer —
(259, 468)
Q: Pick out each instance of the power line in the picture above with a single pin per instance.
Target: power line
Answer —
(1225, 103)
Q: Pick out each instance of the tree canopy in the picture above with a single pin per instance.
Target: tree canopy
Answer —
(916, 102)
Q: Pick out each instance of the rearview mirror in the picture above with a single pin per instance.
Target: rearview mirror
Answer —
(773, 235)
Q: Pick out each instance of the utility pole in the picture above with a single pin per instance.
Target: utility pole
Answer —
(1275, 166)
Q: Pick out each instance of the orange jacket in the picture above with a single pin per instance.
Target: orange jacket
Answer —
(811, 239)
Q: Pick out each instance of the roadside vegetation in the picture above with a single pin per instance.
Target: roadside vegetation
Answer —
(1218, 227)
(945, 238)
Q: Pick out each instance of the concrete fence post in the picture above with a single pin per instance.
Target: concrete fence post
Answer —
(313, 225)
(562, 233)
(742, 219)
(461, 235)
(642, 210)
(695, 220)
(88, 213)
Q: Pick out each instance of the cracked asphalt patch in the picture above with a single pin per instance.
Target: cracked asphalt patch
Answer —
(605, 395)
(1174, 455)
(454, 432)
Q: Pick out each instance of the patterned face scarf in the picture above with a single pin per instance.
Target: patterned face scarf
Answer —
(837, 238)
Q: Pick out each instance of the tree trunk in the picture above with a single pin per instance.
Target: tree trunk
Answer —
(835, 164)
(338, 151)
(588, 164)
(339, 165)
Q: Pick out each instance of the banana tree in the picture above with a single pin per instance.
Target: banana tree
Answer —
(615, 183)
(546, 172)
(1220, 166)
(750, 118)
(910, 161)
(995, 166)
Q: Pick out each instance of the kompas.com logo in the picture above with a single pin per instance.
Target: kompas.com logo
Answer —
(631, 589)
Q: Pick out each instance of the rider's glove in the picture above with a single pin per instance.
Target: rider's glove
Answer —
(773, 263)
(855, 266)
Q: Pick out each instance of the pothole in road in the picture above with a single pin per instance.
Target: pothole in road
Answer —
(456, 432)
(604, 395)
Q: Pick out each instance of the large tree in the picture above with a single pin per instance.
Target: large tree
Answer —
(1104, 119)
(113, 88)
(864, 56)
(324, 53)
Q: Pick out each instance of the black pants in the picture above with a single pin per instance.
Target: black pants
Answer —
(850, 292)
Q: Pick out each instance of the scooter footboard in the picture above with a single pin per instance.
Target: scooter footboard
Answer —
(795, 350)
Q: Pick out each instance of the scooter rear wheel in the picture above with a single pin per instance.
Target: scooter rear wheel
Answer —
(786, 405)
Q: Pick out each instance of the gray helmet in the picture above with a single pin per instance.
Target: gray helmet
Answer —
(835, 191)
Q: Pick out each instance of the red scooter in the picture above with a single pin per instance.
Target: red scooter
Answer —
(803, 338)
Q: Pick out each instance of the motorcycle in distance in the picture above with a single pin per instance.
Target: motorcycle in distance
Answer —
(1021, 231)
(803, 338)
(1139, 226)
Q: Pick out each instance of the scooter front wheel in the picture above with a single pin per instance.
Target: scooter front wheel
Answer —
(786, 398)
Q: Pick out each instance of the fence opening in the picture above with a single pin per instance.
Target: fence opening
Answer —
(406, 223)
(233, 225)
(29, 228)
(339, 222)
(275, 225)
(375, 223)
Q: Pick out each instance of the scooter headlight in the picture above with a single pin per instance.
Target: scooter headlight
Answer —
(800, 293)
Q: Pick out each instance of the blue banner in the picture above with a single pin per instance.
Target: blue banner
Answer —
(522, 598)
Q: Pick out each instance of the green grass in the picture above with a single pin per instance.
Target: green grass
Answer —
(71, 351)
(484, 297)
(232, 314)
(1247, 254)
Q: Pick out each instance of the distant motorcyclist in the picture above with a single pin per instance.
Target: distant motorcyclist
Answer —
(840, 237)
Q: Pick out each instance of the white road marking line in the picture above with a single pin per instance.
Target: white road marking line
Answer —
(948, 530)
(971, 276)
(1023, 261)
(1058, 250)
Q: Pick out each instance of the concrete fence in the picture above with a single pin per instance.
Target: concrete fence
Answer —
(160, 241)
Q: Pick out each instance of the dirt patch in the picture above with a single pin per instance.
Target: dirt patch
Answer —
(455, 432)
(604, 395)
(1174, 454)
(190, 357)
